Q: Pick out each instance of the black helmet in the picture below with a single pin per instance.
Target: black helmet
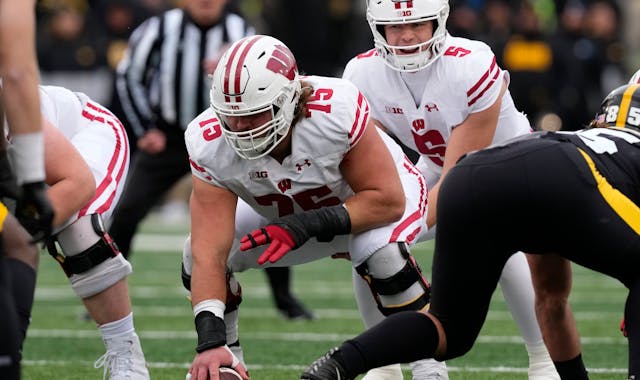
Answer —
(621, 108)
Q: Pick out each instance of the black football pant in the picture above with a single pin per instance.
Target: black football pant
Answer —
(536, 196)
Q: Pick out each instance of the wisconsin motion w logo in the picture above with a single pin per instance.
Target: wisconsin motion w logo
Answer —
(282, 62)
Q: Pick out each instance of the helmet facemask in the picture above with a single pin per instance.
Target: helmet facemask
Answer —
(260, 141)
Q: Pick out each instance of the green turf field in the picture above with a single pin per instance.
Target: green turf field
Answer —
(61, 345)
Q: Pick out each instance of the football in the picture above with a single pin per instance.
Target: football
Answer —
(227, 373)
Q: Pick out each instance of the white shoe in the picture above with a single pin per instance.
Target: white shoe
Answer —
(543, 371)
(541, 366)
(124, 359)
(390, 372)
(429, 369)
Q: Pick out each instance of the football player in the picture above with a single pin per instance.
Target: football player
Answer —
(86, 160)
(294, 165)
(24, 182)
(19, 78)
(15, 304)
(18, 265)
(443, 96)
(588, 180)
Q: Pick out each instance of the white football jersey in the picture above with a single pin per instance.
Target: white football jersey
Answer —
(464, 80)
(310, 176)
(62, 108)
(99, 137)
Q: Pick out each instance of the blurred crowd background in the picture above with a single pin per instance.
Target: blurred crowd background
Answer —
(563, 56)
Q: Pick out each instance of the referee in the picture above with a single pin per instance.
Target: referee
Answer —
(162, 84)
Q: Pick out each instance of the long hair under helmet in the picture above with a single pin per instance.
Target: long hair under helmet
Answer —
(621, 108)
(386, 12)
(256, 74)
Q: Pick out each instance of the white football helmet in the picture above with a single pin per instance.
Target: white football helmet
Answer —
(635, 79)
(385, 12)
(256, 74)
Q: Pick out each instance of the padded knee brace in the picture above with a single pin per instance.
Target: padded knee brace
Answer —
(395, 279)
(89, 256)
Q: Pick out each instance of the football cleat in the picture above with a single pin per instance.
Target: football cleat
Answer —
(124, 359)
(294, 310)
(326, 368)
(429, 369)
(390, 372)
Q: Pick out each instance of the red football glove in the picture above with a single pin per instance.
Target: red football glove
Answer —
(623, 328)
(280, 239)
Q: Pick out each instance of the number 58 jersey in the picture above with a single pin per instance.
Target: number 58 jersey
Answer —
(310, 177)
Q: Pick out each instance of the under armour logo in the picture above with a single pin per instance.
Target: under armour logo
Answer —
(431, 107)
(300, 166)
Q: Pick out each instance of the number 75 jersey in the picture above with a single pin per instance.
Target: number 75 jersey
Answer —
(466, 79)
(310, 177)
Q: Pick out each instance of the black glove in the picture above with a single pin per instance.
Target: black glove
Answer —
(34, 210)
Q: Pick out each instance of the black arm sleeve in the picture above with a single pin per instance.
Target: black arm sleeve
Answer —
(324, 223)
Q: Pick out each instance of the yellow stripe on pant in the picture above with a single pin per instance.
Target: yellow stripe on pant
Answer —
(623, 206)
(3, 215)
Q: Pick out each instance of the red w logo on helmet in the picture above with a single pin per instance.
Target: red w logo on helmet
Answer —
(282, 62)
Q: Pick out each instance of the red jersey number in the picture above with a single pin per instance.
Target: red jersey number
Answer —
(456, 51)
(319, 95)
(211, 129)
(430, 143)
(307, 200)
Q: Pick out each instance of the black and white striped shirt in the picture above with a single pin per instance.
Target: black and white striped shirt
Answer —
(162, 82)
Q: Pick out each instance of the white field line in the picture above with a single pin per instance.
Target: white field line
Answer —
(320, 289)
(324, 313)
(300, 367)
(159, 242)
(284, 336)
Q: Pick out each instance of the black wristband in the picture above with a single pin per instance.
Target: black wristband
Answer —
(324, 223)
(211, 330)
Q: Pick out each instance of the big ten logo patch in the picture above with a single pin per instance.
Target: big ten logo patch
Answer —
(394, 110)
(258, 175)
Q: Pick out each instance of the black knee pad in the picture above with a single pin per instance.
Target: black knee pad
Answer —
(186, 278)
(397, 275)
(234, 293)
(234, 290)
